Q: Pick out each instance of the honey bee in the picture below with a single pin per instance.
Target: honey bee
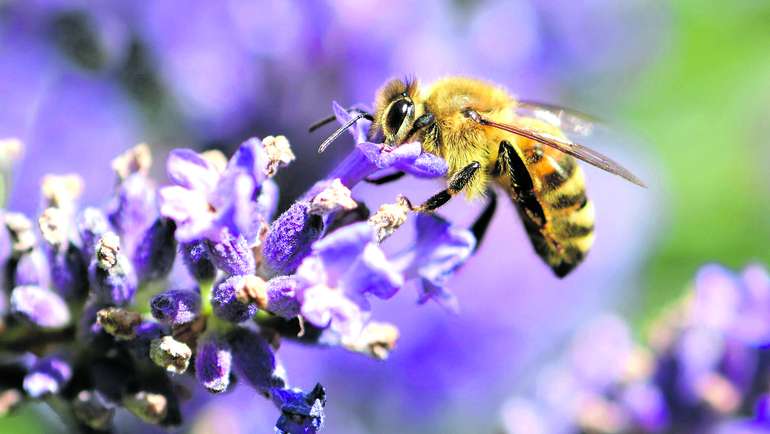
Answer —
(488, 137)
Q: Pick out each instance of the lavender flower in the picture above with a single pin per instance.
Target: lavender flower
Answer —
(308, 276)
(213, 363)
(176, 306)
(41, 307)
(439, 250)
(155, 253)
(345, 266)
(47, 377)
(301, 413)
(225, 301)
(196, 257)
(702, 371)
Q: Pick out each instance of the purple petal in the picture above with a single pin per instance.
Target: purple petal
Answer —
(361, 128)
(373, 274)
(134, 208)
(329, 307)
(426, 165)
(47, 377)
(40, 306)
(385, 157)
(341, 248)
(176, 306)
(444, 297)
(213, 363)
(233, 201)
(92, 224)
(186, 168)
(282, 293)
(190, 210)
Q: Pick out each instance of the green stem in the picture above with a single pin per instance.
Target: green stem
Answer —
(206, 286)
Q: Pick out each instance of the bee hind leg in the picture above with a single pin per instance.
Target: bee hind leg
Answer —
(385, 178)
(456, 184)
(480, 226)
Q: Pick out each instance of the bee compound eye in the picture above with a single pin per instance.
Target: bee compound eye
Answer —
(396, 115)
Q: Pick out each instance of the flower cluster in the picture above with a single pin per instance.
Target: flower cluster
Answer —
(704, 368)
(109, 306)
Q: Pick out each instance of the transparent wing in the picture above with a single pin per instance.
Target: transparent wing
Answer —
(572, 122)
(569, 147)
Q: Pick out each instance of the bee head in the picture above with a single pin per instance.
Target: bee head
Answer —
(395, 110)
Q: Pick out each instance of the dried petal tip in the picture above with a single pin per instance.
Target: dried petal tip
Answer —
(135, 160)
(150, 407)
(278, 152)
(377, 339)
(107, 250)
(300, 413)
(53, 226)
(170, 354)
(10, 150)
(92, 409)
(334, 197)
(253, 290)
(47, 377)
(213, 363)
(20, 228)
(118, 322)
(42, 307)
(390, 217)
(61, 191)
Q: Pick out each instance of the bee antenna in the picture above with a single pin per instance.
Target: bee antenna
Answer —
(341, 130)
(318, 124)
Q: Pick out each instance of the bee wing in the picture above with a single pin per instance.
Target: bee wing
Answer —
(576, 150)
(572, 122)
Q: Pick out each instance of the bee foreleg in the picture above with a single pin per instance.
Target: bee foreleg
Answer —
(385, 178)
(481, 224)
(456, 184)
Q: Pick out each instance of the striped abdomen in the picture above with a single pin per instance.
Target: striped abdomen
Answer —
(556, 212)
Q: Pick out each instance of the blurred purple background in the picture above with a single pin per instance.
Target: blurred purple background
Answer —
(81, 81)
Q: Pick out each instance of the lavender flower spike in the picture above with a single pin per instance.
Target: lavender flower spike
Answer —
(41, 307)
(47, 377)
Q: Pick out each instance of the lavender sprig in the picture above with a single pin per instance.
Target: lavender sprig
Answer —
(93, 298)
